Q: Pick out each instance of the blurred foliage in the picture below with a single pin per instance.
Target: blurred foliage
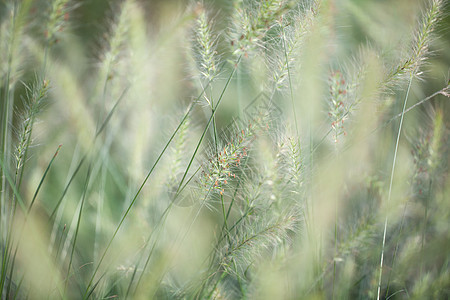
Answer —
(239, 149)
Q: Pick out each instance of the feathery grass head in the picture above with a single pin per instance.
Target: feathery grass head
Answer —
(427, 155)
(12, 30)
(178, 155)
(251, 23)
(286, 45)
(205, 45)
(339, 103)
(223, 167)
(57, 20)
(257, 237)
(419, 51)
(115, 41)
(34, 102)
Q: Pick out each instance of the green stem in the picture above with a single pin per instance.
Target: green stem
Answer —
(178, 192)
(140, 189)
(390, 185)
(83, 199)
(207, 126)
(213, 111)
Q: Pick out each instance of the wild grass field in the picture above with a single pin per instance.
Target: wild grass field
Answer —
(224, 149)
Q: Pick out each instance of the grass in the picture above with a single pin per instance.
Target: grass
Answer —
(224, 149)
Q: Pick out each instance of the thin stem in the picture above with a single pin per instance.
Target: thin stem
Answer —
(217, 154)
(390, 184)
(181, 186)
(148, 176)
(134, 200)
(102, 127)
(179, 189)
(207, 125)
(86, 186)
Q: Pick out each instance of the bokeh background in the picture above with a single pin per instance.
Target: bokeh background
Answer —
(302, 216)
